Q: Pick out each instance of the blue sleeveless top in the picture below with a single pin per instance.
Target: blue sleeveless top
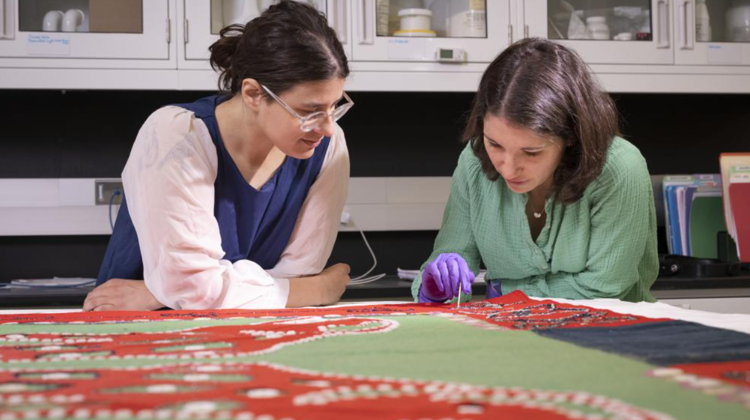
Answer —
(254, 224)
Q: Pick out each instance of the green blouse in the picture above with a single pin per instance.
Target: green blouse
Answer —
(602, 246)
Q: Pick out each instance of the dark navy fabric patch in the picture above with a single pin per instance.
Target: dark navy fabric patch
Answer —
(661, 343)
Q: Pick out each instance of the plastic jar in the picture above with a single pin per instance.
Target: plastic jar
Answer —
(598, 27)
(415, 19)
(468, 18)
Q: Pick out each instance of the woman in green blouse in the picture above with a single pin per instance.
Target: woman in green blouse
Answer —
(545, 194)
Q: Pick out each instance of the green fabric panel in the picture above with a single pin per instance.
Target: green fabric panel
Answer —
(519, 358)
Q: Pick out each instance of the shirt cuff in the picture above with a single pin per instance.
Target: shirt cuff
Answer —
(281, 295)
(273, 295)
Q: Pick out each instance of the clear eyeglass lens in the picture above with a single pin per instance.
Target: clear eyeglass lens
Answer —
(310, 125)
(315, 120)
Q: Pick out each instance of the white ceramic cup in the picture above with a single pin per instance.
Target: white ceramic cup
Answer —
(72, 20)
(52, 21)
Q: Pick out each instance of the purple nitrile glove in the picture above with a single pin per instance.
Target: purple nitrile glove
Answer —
(441, 277)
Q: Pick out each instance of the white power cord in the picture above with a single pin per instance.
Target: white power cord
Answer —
(363, 279)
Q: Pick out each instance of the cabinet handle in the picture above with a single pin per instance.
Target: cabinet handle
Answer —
(510, 34)
(690, 17)
(685, 16)
(339, 19)
(2, 19)
(365, 32)
(662, 24)
(525, 31)
(683, 27)
(186, 31)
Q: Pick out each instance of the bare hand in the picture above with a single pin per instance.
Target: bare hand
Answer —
(333, 283)
(121, 295)
(323, 289)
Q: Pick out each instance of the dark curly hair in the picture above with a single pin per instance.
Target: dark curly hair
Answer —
(546, 88)
(289, 43)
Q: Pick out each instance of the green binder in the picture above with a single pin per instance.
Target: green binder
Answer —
(706, 221)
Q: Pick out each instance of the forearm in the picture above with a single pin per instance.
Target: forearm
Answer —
(304, 291)
(584, 285)
(323, 289)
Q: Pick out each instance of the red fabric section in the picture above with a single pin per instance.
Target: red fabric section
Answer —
(189, 376)
(286, 393)
(239, 340)
(737, 373)
(514, 311)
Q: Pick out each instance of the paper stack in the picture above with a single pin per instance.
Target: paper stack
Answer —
(693, 214)
(412, 274)
(53, 283)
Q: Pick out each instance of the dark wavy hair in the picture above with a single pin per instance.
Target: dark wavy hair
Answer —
(545, 87)
(287, 44)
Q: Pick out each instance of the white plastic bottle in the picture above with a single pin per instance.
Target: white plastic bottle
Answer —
(702, 22)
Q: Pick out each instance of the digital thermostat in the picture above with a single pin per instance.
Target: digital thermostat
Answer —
(451, 55)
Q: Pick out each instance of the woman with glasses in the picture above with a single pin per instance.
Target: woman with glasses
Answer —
(234, 201)
(546, 194)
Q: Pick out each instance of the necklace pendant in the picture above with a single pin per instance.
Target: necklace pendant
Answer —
(537, 215)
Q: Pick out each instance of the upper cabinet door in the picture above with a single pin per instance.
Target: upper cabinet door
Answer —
(205, 19)
(605, 31)
(473, 31)
(712, 32)
(85, 29)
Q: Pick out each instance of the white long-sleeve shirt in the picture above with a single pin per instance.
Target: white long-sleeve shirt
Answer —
(169, 183)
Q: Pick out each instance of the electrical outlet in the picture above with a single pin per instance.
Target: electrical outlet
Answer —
(105, 190)
(345, 216)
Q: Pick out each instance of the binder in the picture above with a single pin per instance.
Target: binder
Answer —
(735, 174)
(689, 197)
(739, 197)
(706, 221)
(677, 235)
(682, 221)
(671, 220)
